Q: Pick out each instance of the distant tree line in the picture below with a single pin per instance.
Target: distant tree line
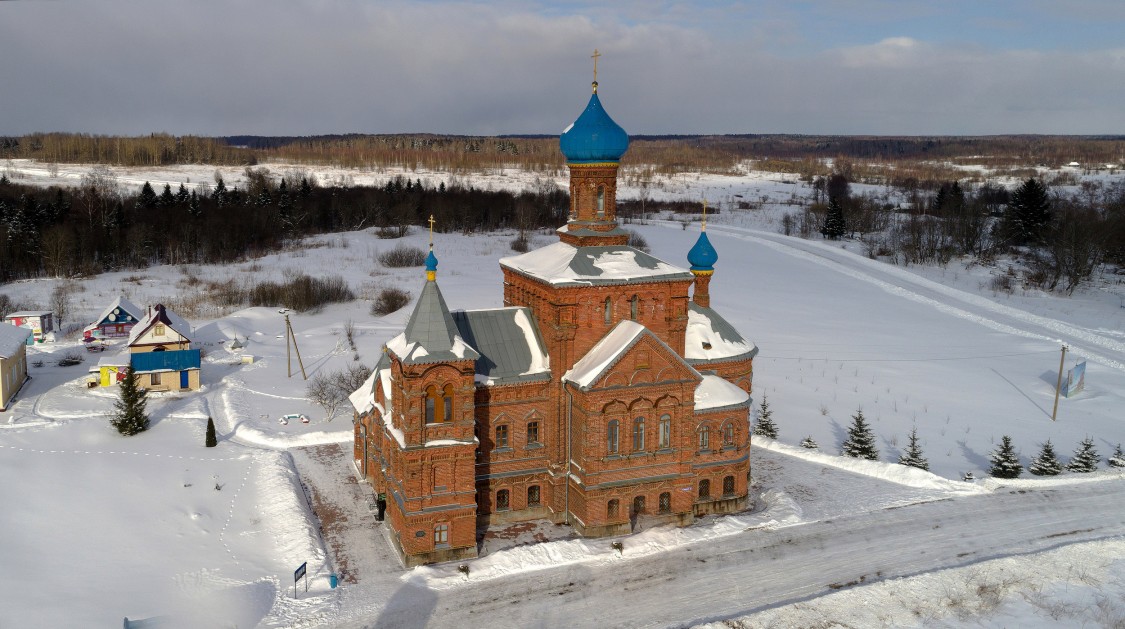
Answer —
(62, 232)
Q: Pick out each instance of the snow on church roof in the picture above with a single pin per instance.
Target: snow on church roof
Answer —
(601, 355)
(363, 398)
(710, 338)
(715, 392)
(563, 264)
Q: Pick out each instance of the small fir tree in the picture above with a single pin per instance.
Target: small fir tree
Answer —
(861, 441)
(1046, 463)
(167, 199)
(129, 417)
(913, 455)
(833, 227)
(809, 443)
(182, 194)
(1085, 458)
(1028, 213)
(147, 198)
(211, 441)
(1118, 458)
(1005, 461)
(765, 426)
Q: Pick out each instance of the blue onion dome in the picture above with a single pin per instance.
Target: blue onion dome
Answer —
(594, 137)
(702, 256)
(431, 261)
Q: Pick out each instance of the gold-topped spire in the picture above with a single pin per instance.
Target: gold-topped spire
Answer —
(432, 221)
(595, 58)
(704, 214)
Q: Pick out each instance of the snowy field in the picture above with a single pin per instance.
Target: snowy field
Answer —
(99, 526)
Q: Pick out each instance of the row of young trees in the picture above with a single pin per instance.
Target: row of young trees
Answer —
(1005, 461)
(96, 227)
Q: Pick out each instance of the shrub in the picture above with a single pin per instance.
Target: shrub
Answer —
(389, 300)
(521, 244)
(391, 232)
(70, 358)
(302, 293)
(403, 256)
(637, 241)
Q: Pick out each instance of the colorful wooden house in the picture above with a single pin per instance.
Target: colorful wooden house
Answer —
(13, 361)
(116, 321)
(40, 322)
(160, 352)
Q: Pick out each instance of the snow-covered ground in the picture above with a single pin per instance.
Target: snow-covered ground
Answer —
(98, 526)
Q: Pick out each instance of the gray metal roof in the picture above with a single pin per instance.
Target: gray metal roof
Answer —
(505, 354)
(432, 328)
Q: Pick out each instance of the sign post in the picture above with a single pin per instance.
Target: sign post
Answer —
(297, 574)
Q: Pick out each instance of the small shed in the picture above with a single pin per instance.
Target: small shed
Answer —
(40, 322)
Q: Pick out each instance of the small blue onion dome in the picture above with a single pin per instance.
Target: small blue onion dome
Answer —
(431, 261)
(702, 256)
(594, 137)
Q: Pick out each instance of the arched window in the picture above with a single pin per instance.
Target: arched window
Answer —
(704, 438)
(639, 434)
(608, 311)
(435, 410)
(728, 434)
(601, 201)
(447, 403)
(705, 488)
(503, 502)
(533, 496)
(666, 502)
(633, 307)
(664, 435)
(611, 436)
(638, 505)
(613, 508)
(728, 486)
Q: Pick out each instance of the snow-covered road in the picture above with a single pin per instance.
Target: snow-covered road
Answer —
(766, 568)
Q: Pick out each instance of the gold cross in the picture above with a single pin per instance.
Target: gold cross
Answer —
(431, 221)
(595, 58)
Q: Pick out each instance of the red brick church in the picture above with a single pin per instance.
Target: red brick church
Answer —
(605, 392)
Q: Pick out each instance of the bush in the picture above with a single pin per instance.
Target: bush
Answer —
(391, 232)
(302, 293)
(70, 358)
(389, 300)
(403, 256)
(330, 390)
(521, 244)
(637, 241)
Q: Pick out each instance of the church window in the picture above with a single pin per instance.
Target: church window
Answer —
(704, 438)
(613, 509)
(633, 307)
(705, 488)
(664, 435)
(601, 201)
(728, 434)
(502, 436)
(502, 500)
(441, 535)
(447, 402)
(611, 436)
(533, 496)
(435, 410)
(666, 502)
(638, 505)
(639, 434)
(532, 432)
(728, 486)
(608, 311)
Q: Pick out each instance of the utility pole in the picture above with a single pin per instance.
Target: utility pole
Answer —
(1058, 385)
(290, 336)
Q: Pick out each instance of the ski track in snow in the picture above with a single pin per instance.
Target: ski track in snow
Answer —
(864, 269)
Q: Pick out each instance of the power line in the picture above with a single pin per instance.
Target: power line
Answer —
(900, 360)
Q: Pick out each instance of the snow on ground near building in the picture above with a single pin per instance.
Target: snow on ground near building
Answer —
(100, 526)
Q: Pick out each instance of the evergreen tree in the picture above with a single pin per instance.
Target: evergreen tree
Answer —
(129, 416)
(193, 205)
(1085, 458)
(861, 441)
(913, 455)
(211, 441)
(1118, 458)
(220, 193)
(1027, 214)
(809, 443)
(166, 197)
(765, 426)
(306, 188)
(1046, 463)
(148, 198)
(1005, 461)
(833, 227)
(182, 194)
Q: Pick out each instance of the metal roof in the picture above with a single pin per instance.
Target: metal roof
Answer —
(431, 328)
(505, 354)
(177, 360)
(563, 265)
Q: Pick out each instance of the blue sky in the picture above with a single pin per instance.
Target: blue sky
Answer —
(298, 67)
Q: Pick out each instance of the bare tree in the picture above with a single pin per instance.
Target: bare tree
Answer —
(60, 301)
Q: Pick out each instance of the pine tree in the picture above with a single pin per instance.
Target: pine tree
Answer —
(809, 443)
(211, 441)
(220, 193)
(1027, 214)
(166, 197)
(148, 197)
(913, 455)
(765, 426)
(1085, 458)
(1046, 463)
(129, 416)
(182, 194)
(861, 441)
(1118, 457)
(193, 205)
(1005, 461)
(833, 226)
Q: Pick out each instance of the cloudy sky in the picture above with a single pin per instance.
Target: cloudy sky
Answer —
(299, 67)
